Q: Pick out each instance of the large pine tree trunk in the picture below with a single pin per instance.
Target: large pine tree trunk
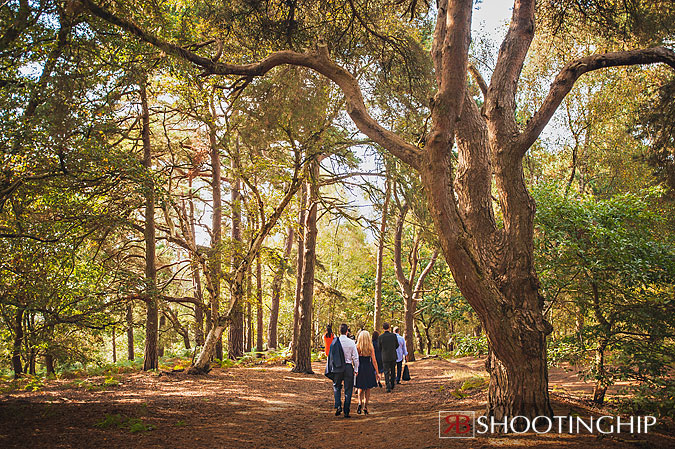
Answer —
(299, 267)
(150, 357)
(377, 310)
(276, 291)
(303, 357)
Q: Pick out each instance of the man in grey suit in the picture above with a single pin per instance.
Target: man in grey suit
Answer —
(388, 344)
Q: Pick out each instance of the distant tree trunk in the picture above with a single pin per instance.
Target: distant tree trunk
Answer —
(249, 328)
(18, 339)
(299, 268)
(32, 354)
(49, 363)
(377, 319)
(248, 336)
(196, 277)
(427, 332)
(418, 337)
(276, 291)
(235, 337)
(303, 359)
(130, 332)
(150, 357)
(411, 292)
(216, 222)
(606, 329)
(162, 325)
(259, 306)
(601, 383)
(114, 347)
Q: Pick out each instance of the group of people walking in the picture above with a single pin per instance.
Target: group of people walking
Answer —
(359, 364)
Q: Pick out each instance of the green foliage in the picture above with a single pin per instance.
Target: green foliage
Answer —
(656, 396)
(118, 421)
(468, 345)
(603, 263)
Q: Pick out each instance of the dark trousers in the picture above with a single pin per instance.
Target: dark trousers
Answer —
(348, 378)
(389, 374)
(399, 369)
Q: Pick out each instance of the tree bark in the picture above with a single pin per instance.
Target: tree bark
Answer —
(196, 277)
(114, 347)
(130, 332)
(303, 359)
(299, 267)
(216, 222)
(259, 306)
(150, 357)
(235, 337)
(162, 326)
(16, 346)
(377, 308)
(49, 364)
(276, 291)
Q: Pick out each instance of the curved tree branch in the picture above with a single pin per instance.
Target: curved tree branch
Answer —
(565, 80)
(318, 61)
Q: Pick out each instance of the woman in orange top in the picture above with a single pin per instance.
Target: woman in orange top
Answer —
(328, 338)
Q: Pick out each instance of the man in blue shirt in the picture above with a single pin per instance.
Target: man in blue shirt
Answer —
(401, 353)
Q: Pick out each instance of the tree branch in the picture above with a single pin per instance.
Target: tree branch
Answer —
(565, 80)
(318, 61)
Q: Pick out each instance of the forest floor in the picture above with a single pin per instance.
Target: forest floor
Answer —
(271, 407)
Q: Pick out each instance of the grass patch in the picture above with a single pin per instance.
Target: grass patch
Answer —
(119, 421)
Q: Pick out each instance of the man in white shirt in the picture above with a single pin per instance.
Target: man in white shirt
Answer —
(401, 353)
(350, 372)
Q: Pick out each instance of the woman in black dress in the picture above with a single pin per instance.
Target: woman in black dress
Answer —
(368, 372)
(378, 355)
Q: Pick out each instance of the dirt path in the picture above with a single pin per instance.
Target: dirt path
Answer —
(264, 407)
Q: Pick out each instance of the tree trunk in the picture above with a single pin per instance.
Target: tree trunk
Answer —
(259, 306)
(276, 291)
(162, 326)
(409, 335)
(377, 309)
(196, 277)
(150, 357)
(249, 327)
(299, 267)
(49, 364)
(248, 334)
(303, 359)
(235, 336)
(418, 337)
(130, 332)
(18, 339)
(601, 374)
(427, 331)
(114, 346)
(216, 222)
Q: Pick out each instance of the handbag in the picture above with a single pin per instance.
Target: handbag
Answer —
(406, 373)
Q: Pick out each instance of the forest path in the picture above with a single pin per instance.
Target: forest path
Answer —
(266, 407)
